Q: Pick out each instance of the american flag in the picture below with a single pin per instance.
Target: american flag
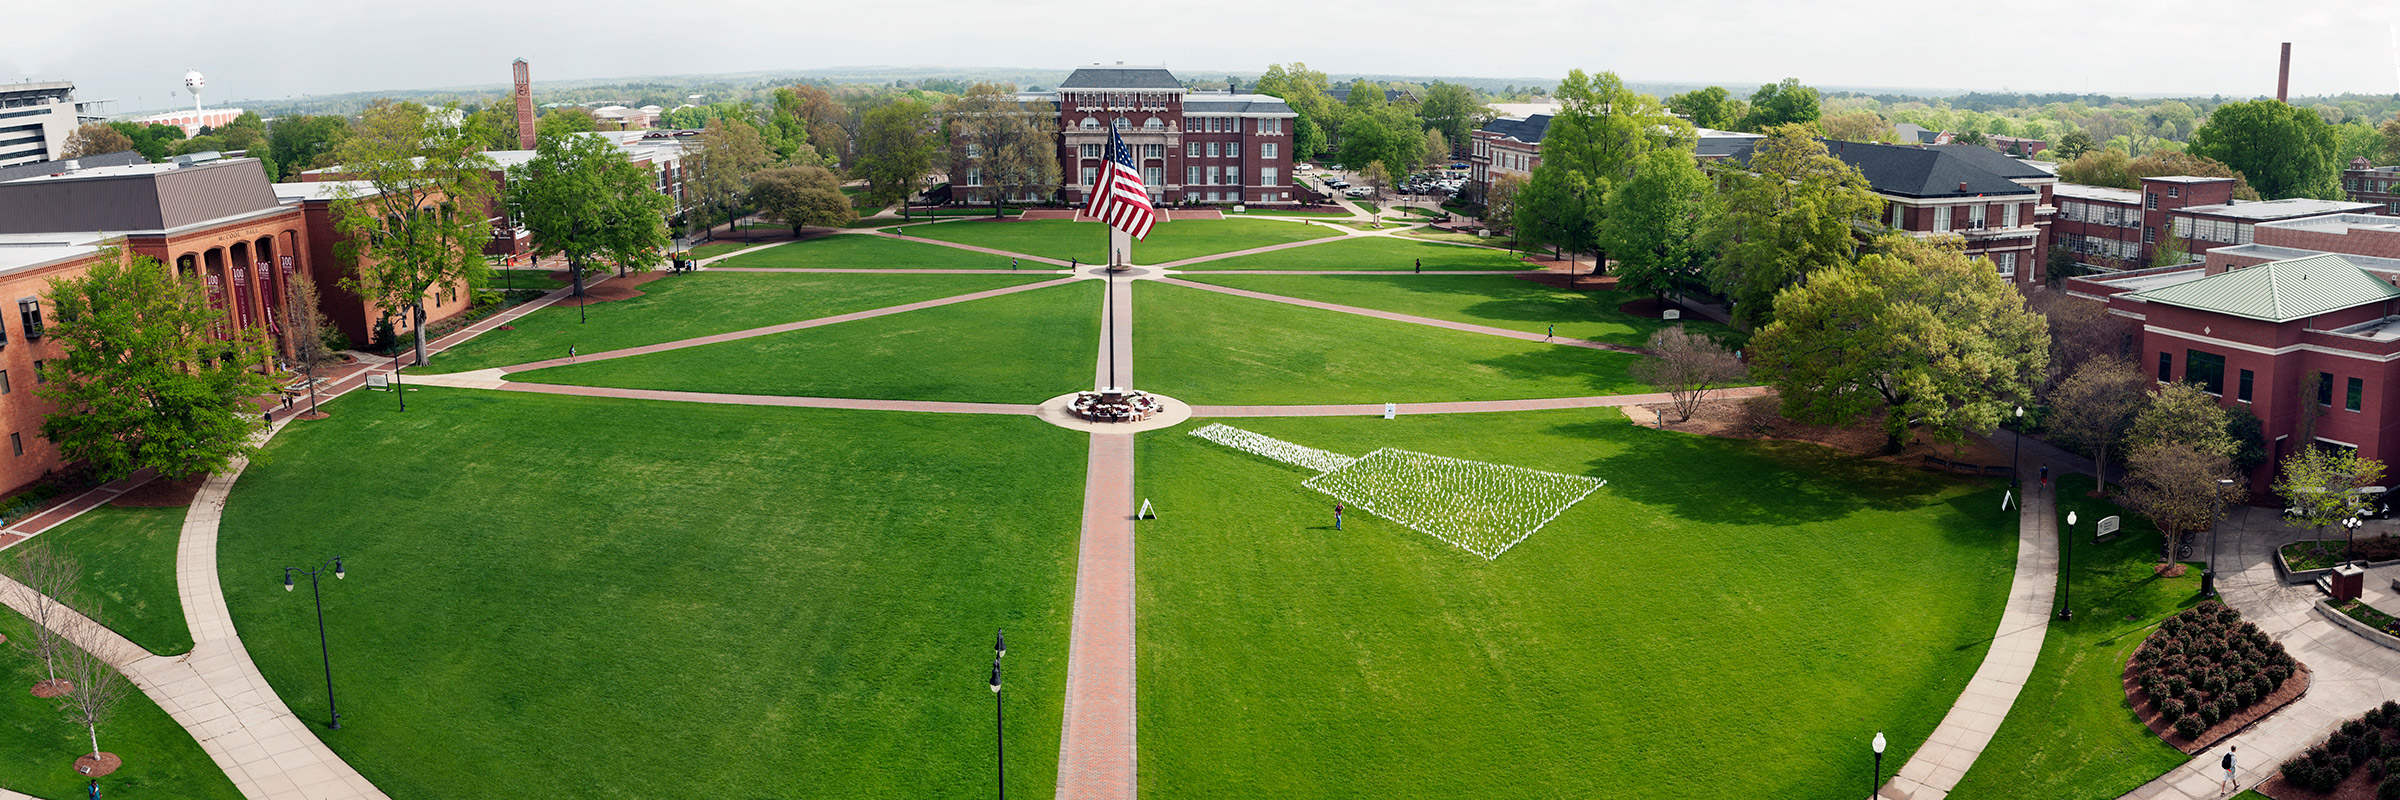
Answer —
(1118, 196)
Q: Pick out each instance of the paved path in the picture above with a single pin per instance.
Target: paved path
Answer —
(1116, 334)
(1196, 273)
(54, 516)
(1438, 323)
(1464, 407)
(934, 406)
(782, 328)
(967, 247)
(894, 271)
(1096, 749)
(1947, 754)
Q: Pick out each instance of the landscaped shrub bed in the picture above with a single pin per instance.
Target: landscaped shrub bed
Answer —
(2311, 554)
(2374, 618)
(2203, 669)
(2361, 759)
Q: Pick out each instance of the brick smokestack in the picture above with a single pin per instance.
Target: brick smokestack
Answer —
(524, 74)
(2283, 76)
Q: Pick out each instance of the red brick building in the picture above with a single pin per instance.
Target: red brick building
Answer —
(2367, 183)
(1192, 147)
(2116, 229)
(2000, 206)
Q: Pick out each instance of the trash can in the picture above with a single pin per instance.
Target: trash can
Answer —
(2349, 580)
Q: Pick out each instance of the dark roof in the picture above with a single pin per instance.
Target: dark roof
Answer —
(135, 198)
(1121, 78)
(1994, 161)
(1234, 104)
(116, 159)
(1528, 130)
(1720, 144)
(1917, 170)
(1341, 94)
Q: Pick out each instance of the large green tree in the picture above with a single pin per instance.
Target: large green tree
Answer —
(802, 196)
(301, 142)
(1452, 109)
(1712, 107)
(1778, 104)
(563, 121)
(1008, 147)
(1788, 216)
(1923, 334)
(717, 171)
(142, 378)
(1654, 225)
(2319, 483)
(1600, 134)
(1308, 92)
(2285, 151)
(580, 198)
(420, 213)
(895, 150)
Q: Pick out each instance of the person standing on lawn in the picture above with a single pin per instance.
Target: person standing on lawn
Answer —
(1337, 516)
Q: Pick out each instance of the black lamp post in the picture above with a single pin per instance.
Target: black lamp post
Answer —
(1878, 785)
(2015, 449)
(2208, 577)
(2066, 569)
(397, 391)
(319, 594)
(1000, 729)
(2350, 549)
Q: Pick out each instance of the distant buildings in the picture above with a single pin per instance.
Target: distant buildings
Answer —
(2367, 183)
(36, 117)
(1512, 145)
(1218, 148)
(1999, 205)
(2118, 229)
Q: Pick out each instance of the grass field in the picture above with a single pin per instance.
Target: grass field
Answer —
(1370, 253)
(1463, 238)
(1724, 619)
(1088, 241)
(1181, 349)
(868, 252)
(669, 599)
(1269, 212)
(699, 304)
(38, 748)
(714, 249)
(128, 560)
(1500, 301)
(522, 279)
(1019, 348)
(2070, 733)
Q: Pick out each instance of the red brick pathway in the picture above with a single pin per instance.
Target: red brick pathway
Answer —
(1469, 407)
(1031, 259)
(1438, 323)
(936, 406)
(1117, 329)
(1096, 749)
(1203, 272)
(783, 328)
(887, 271)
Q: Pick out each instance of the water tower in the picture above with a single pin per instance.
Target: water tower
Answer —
(193, 82)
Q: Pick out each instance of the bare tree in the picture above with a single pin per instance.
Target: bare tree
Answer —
(305, 327)
(1689, 366)
(2174, 485)
(2096, 406)
(46, 581)
(2080, 330)
(99, 688)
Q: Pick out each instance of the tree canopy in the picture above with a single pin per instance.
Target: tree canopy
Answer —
(422, 220)
(1654, 224)
(1786, 217)
(2285, 151)
(580, 198)
(801, 196)
(1712, 107)
(1778, 104)
(895, 150)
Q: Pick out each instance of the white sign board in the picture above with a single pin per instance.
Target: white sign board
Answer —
(1672, 313)
(2005, 497)
(2108, 525)
(1145, 511)
(1483, 231)
(1241, 210)
(1391, 410)
(378, 382)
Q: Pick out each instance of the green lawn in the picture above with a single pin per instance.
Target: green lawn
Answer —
(1371, 253)
(665, 599)
(700, 304)
(1270, 212)
(1185, 345)
(521, 279)
(1019, 348)
(1724, 619)
(1500, 301)
(2070, 734)
(38, 748)
(714, 249)
(128, 560)
(859, 251)
(1088, 241)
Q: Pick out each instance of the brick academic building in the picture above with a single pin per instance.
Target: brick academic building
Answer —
(1202, 147)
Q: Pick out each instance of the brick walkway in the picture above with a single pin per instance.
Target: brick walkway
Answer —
(1195, 273)
(892, 271)
(1466, 407)
(1438, 323)
(1096, 749)
(967, 247)
(933, 406)
(1116, 333)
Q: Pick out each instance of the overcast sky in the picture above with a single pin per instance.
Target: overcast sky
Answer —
(136, 51)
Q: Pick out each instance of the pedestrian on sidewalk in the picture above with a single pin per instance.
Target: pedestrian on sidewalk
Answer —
(1552, 334)
(2045, 477)
(1337, 516)
(570, 352)
(1420, 265)
(2229, 785)
(1012, 265)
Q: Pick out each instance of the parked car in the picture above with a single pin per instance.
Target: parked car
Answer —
(2373, 503)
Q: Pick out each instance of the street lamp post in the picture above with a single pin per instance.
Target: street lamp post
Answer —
(2066, 569)
(397, 390)
(2015, 450)
(1878, 785)
(1000, 728)
(2350, 549)
(2208, 577)
(327, 653)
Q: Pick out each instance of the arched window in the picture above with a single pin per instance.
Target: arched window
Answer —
(1089, 122)
(1153, 124)
(1120, 123)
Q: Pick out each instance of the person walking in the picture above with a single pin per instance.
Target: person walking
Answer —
(570, 352)
(1553, 334)
(2045, 477)
(1420, 265)
(1337, 516)
(1012, 265)
(2229, 785)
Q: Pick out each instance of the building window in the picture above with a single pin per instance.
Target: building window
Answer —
(1091, 176)
(1266, 150)
(1212, 150)
(1268, 175)
(1270, 126)
(16, 446)
(1213, 177)
(1941, 219)
(4, 387)
(2351, 399)
(1089, 123)
(1154, 176)
(2149, 235)
(1191, 174)
(2008, 216)
(29, 313)
(2166, 367)
(974, 176)
(2150, 201)
(1152, 124)
(1154, 151)
(2174, 191)
(2205, 370)
(974, 150)
(1089, 150)
(1119, 123)
(1897, 216)
(2007, 262)
(2325, 389)
(2245, 387)
(1191, 149)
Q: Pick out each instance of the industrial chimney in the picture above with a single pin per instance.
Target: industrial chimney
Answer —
(525, 104)
(2283, 76)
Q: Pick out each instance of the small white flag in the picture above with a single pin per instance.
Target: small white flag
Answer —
(1391, 410)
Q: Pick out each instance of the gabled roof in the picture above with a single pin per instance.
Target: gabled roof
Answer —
(1220, 103)
(1918, 171)
(1524, 129)
(2279, 291)
(1121, 78)
(1996, 162)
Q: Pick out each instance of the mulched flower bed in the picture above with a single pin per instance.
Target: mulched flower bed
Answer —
(625, 288)
(56, 687)
(93, 767)
(2359, 761)
(161, 493)
(2205, 675)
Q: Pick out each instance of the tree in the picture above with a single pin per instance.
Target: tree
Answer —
(94, 138)
(1689, 366)
(563, 121)
(1787, 217)
(2318, 482)
(1008, 147)
(301, 142)
(1436, 151)
(305, 330)
(1598, 138)
(1376, 177)
(2174, 485)
(1500, 203)
(90, 665)
(245, 132)
(1858, 126)
(2181, 414)
(786, 131)
(2072, 145)
(2248, 433)
(143, 379)
(1712, 108)
(46, 580)
(580, 198)
(493, 127)
(1557, 208)
(423, 215)
(1654, 225)
(2285, 151)
(895, 150)
(2165, 162)
(2390, 130)
(1453, 111)
(152, 141)
(819, 118)
(801, 197)
(1306, 91)
(2172, 248)
(2080, 331)
(2105, 167)
(1383, 133)
(1976, 138)
(2096, 405)
(1923, 333)
(1778, 104)
(717, 172)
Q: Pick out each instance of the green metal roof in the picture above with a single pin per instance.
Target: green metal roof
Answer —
(2279, 291)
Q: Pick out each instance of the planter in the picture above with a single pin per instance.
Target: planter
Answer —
(2326, 608)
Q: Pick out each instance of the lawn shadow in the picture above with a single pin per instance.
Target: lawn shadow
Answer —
(1748, 482)
(1600, 371)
